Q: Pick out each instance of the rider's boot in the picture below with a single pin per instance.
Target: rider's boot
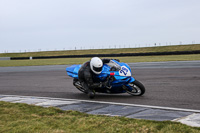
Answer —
(90, 92)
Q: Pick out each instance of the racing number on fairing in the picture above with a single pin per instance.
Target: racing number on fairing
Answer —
(124, 70)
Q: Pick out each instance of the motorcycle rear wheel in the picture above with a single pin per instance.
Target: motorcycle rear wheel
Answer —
(138, 88)
(78, 85)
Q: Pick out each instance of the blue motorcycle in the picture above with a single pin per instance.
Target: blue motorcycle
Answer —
(116, 74)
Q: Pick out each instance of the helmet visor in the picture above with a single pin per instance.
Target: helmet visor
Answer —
(97, 69)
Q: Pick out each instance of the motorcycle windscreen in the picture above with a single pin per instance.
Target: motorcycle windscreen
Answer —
(72, 71)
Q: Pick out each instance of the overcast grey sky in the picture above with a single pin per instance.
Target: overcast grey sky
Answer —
(65, 24)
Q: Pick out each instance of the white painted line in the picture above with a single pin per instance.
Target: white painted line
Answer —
(114, 103)
(191, 120)
(11, 99)
(30, 101)
(55, 103)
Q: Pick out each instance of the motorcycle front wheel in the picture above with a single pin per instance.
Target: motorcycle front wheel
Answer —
(138, 88)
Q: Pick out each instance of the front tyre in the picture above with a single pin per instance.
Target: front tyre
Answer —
(138, 88)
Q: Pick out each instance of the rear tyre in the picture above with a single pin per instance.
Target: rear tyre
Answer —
(138, 88)
(78, 85)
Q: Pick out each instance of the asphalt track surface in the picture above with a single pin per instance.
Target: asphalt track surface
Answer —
(168, 84)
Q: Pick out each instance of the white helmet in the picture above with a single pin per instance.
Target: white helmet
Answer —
(96, 65)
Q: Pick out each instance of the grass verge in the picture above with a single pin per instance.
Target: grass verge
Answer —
(17, 117)
(37, 62)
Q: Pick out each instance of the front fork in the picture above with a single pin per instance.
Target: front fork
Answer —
(129, 86)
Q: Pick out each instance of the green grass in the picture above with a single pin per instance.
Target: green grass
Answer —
(101, 51)
(15, 117)
(106, 51)
(37, 62)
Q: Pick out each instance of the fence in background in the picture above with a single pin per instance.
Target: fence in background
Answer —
(109, 55)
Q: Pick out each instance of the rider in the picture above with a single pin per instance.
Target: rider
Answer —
(86, 73)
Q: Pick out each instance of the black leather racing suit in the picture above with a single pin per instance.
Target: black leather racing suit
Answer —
(85, 76)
